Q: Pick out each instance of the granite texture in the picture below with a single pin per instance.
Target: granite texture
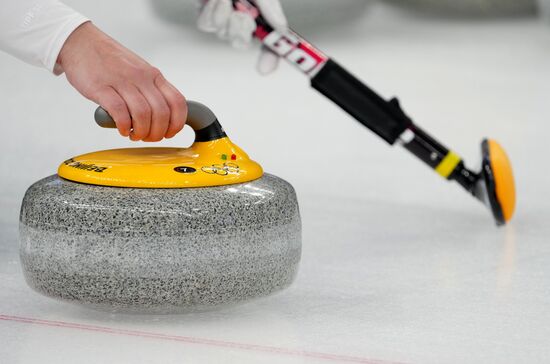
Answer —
(159, 250)
(474, 8)
(320, 16)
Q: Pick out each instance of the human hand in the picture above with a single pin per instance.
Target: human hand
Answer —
(144, 105)
(218, 16)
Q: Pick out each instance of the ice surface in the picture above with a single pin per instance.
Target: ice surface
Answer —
(397, 266)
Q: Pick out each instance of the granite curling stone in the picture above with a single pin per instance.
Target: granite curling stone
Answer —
(161, 250)
(473, 8)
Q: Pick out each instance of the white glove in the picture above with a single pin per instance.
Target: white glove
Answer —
(218, 16)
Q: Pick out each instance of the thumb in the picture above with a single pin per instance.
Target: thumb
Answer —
(267, 62)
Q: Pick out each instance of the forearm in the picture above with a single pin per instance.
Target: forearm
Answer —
(144, 105)
(35, 30)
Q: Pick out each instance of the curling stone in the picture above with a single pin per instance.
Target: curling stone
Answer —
(320, 16)
(475, 8)
(544, 9)
(160, 230)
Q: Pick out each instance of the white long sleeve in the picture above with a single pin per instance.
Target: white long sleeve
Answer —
(35, 30)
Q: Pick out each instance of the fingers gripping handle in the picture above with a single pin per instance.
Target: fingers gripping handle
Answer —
(199, 117)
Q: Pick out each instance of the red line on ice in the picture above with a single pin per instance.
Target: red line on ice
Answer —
(194, 340)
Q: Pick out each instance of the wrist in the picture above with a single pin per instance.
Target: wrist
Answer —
(79, 38)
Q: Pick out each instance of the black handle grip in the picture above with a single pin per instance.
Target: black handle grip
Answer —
(385, 118)
(199, 117)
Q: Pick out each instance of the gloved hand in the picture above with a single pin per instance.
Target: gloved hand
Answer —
(218, 16)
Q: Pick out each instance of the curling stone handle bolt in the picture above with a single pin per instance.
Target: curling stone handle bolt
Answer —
(199, 117)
